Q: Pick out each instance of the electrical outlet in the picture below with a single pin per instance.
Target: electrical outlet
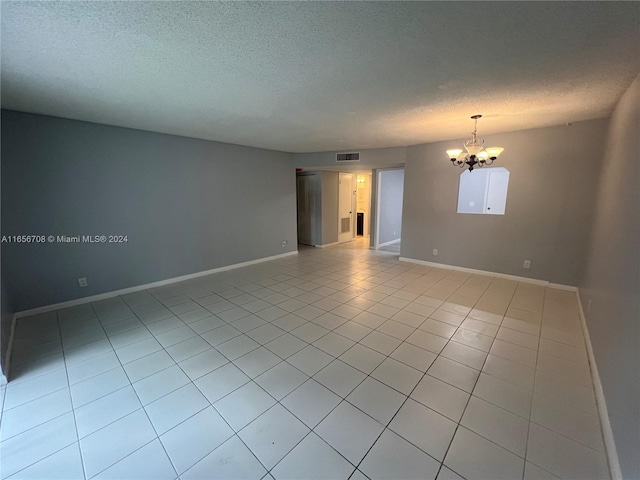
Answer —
(284, 243)
(82, 282)
(589, 306)
(435, 252)
(527, 264)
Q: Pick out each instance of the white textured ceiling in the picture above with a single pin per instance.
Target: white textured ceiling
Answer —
(316, 76)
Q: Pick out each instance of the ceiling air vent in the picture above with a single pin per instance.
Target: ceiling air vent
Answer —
(348, 157)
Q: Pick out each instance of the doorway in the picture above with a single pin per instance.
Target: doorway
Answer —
(389, 193)
(346, 208)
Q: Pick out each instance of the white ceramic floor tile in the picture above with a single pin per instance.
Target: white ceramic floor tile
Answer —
(562, 456)
(241, 407)
(518, 338)
(265, 333)
(27, 448)
(159, 384)
(496, 424)
(207, 324)
(565, 369)
(340, 377)
(413, 356)
(64, 464)
(257, 362)
(232, 461)
(363, 358)
(272, 435)
(349, 431)
(289, 322)
(91, 367)
(377, 400)
(203, 363)
(560, 390)
(221, 382)
(345, 296)
(286, 345)
(145, 366)
(311, 402)
(187, 349)
(533, 472)
(29, 370)
(112, 443)
(35, 412)
(310, 360)
(220, 334)
(313, 459)
(509, 371)
(92, 416)
(333, 344)
(353, 331)
(504, 394)
(465, 355)
(447, 474)
(98, 386)
(174, 408)
(515, 353)
(137, 350)
(236, 347)
(23, 392)
(454, 373)
(394, 457)
(425, 428)
(438, 328)
(370, 320)
(148, 463)
(428, 341)
(475, 457)
(193, 439)
(410, 319)
(381, 342)
(473, 339)
(441, 397)
(397, 375)
(566, 420)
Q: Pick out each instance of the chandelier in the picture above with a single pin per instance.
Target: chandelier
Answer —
(475, 155)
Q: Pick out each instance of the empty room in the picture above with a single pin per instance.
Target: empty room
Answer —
(320, 240)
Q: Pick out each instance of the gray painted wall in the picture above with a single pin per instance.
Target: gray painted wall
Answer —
(390, 192)
(612, 280)
(186, 205)
(554, 172)
(330, 186)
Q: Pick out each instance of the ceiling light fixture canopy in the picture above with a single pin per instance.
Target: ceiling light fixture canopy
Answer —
(475, 155)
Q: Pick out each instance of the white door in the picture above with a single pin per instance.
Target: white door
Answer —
(497, 185)
(345, 208)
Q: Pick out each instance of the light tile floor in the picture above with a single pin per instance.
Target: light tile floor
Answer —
(336, 363)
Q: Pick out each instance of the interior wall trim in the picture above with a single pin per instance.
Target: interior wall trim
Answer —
(534, 281)
(603, 413)
(137, 288)
(325, 245)
(397, 240)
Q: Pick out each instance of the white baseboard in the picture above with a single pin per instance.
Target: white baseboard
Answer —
(137, 288)
(397, 240)
(535, 281)
(325, 245)
(605, 424)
